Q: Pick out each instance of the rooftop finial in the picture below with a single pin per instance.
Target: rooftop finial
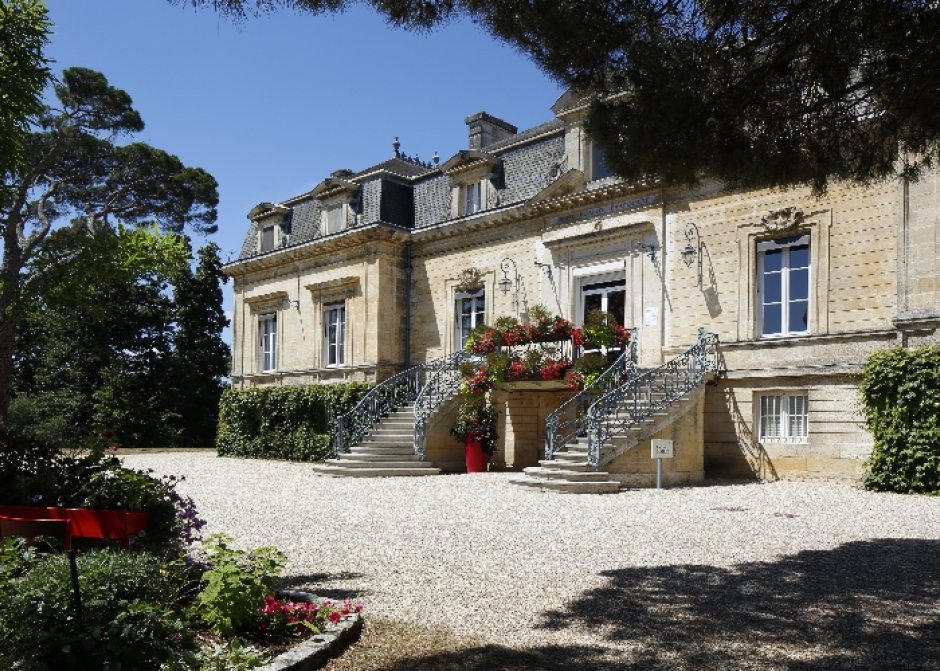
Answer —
(396, 145)
(436, 158)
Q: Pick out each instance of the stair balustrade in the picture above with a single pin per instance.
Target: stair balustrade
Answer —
(441, 384)
(386, 396)
(569, 420)
(641, 396)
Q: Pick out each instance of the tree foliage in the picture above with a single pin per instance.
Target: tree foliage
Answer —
(754, 92)
(77, 177)
(24, 30)
(900, 391)
(104, 345)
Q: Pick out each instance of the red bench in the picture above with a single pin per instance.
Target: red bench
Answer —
(86, 522)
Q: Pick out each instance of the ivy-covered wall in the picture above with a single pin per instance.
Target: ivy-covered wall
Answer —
(901, 397)
(293, 422)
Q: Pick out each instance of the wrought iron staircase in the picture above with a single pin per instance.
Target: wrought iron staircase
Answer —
(379, 437)
(625, 406)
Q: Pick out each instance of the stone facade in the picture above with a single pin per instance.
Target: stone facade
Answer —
(396, 246)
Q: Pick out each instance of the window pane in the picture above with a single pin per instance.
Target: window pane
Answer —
(772, 287)
(773, 260)
(772, 319)
(798, 416)
(473, 198)
(769, 417)
(799, 316)
(615, 305)
(599, 169)
(799, 284)
(799, 256)
(267, 238)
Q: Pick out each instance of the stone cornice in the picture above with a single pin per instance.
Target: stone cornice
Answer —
(318, 247)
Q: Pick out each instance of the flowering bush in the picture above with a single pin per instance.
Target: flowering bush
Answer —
(483, 340)
(575, 380)
(284, 617)
(552, 369)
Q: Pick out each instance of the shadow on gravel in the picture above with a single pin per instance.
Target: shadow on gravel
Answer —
(863, 605)
(312, 582)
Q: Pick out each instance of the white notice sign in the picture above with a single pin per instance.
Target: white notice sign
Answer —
(651, 316)
(660, 448)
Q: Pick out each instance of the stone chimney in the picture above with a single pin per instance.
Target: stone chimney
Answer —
(486, 129)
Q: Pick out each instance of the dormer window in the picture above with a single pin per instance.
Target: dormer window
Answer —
(273, 225)
(477, 177)
(340, 201)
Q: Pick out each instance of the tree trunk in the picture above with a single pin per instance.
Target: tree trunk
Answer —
(9, 299)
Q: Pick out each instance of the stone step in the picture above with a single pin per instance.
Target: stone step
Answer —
(345, 462)
(568, 486)
(539, 472)
(388, 434)
(392, 439)
(565, 465)
(377, 472)
(382, 449)
(381, 456)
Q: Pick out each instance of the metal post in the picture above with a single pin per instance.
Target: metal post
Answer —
(77, 595)
(659, 474)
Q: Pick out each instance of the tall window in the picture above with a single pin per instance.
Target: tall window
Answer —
(474, 200)
(334, 333)
(606, 296)
(783, 266)
(267, 332)
(471, 306)
(784, 418)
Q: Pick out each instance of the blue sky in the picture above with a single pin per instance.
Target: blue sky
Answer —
(272, 106)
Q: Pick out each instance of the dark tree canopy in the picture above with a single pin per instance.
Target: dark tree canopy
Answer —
(755, 92)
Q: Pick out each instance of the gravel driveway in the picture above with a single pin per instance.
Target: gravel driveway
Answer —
(787, 575)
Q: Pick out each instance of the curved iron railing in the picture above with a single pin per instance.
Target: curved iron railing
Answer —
(614, 413)
(385, 397)
(569, 420)
(439, 386)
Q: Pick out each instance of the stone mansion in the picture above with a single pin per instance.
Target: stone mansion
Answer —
(373, 272)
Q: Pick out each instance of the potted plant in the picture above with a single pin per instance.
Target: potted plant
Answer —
(476, 429)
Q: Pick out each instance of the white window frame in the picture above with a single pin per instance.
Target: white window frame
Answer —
(460, 335)
(267, 342)
(782, 418)
(588, 280)
(784, 245)
(334, 334)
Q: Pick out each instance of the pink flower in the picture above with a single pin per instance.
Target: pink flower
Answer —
(335, 617)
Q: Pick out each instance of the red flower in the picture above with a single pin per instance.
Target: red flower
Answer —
(577, 337)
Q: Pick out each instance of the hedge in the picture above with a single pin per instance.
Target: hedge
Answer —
(293, 422)
(900, 391)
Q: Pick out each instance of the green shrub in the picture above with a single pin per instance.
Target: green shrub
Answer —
(235, 585)
(293, 423)
(900, 391)
(130, 620)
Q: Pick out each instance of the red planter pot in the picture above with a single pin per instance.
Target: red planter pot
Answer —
(475, 456)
